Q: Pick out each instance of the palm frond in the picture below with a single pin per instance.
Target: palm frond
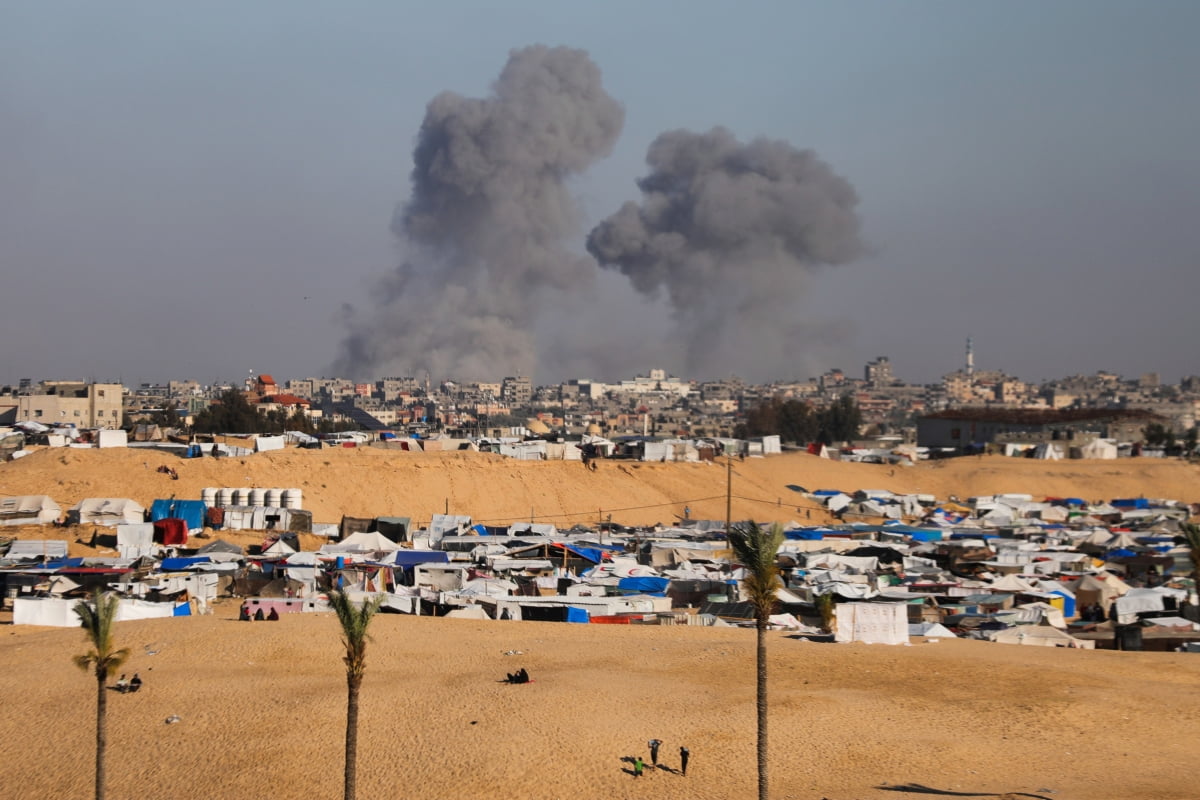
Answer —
(757, 549)
(354, 619)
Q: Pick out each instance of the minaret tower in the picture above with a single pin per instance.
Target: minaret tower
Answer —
(970, 358)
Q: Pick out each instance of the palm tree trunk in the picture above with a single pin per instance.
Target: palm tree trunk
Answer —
(762, 710)
(101, 732)
(352, 684)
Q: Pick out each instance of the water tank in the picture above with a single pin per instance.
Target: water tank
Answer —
(241, 497)
(274, 498)
(225, 496)
(258, 497)
(292, 498)
(209, 496)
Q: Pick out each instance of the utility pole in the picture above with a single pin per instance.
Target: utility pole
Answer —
(728, 493)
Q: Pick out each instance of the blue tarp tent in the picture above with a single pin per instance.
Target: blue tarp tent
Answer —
(805, 534)
(593, 554)
(653, 586)
(190, 511)
(1120, 552)
(1135, 502)
(410, 558)
(926, 536)
(576, 614)
(177, 564)
(182, 610)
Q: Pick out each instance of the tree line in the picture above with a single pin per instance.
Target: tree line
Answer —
(233, 413)
(796, 422)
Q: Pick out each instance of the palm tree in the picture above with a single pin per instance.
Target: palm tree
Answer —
(98, 618)
(354, 620)
(756, 550)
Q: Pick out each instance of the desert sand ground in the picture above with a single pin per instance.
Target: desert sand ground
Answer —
(262, 705)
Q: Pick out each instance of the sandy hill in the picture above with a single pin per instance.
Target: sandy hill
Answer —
(262, 709)
(490, 488)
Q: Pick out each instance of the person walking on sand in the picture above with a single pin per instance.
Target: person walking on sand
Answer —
(654, 744)
(638, 766)
(683, 759)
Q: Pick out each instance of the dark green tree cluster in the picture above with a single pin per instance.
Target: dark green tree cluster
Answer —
(232, 413)
(796, 422)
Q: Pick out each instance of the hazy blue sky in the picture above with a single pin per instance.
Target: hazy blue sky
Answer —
(199, 190)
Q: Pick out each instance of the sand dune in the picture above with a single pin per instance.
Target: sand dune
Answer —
(372, 482)
(262, 708)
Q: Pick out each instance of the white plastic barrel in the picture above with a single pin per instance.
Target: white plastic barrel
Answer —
(292, 498)
(241, 496)
(224, 496)
(274, 498)
(258, 497)
(209, 496)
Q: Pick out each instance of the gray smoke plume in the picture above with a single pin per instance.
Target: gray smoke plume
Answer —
(730, 231)
(483, 233)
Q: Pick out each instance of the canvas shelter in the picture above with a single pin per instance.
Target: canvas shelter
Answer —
(1040, 635)
(106, 511)
(170, 531)
(135, 540)
(872, 623)
(30, 509)
(192, 512)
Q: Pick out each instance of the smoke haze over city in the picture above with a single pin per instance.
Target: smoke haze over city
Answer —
(773, 190)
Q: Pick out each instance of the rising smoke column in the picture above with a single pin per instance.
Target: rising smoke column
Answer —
(483, 233)
(730, 231)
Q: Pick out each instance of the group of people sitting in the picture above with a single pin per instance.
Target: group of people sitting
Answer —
(124, 686)
(520, 676)
(259, 615)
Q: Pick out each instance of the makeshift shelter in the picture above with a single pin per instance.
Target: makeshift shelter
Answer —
(106, 511)
(170, 531)
(192, 512)
(872, 623)
(135, 540)
(1040, 635)
(30, 509)
(394, 528)
(1099, 449)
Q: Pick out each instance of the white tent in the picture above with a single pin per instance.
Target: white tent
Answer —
(872, 623)
(30, 509)
(135, 540)
(1099, 448)
(1040, 635)
(60, 613)
(117, 438)
(363, 542)
(107, 511)
(1047, 452)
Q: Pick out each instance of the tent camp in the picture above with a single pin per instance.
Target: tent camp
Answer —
(107, 511)
(30, 509)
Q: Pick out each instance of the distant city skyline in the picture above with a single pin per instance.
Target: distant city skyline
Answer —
(193, 192)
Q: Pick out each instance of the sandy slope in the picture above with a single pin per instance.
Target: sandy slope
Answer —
(372, 482)
(262, 708)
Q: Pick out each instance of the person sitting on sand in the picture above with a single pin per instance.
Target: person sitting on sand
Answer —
(122, 684)
(274, 615)
(136, 683)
